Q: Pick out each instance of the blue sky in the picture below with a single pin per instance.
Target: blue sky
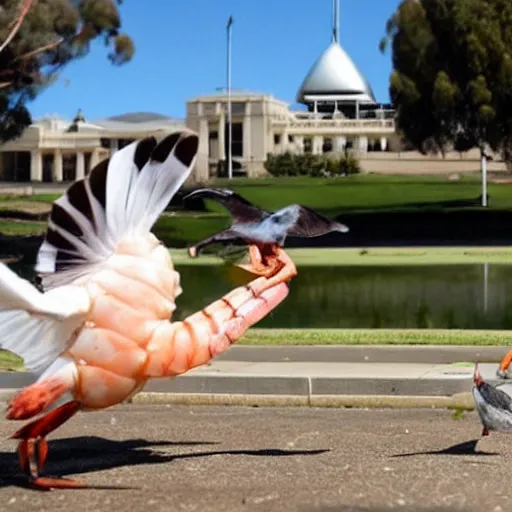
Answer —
(181, 53)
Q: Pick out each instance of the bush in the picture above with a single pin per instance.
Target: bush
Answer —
(348, 165)
(307, 164)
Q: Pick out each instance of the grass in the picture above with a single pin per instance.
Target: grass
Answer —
(375, 256)
(364, 192)
(14, 227)
(41, 198)
(284, 337)
(336, 196)
(368, 192)
(9, 361)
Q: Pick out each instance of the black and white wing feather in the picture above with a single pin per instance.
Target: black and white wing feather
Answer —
(122, 195)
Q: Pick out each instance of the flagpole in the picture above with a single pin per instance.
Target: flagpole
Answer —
(228, 79)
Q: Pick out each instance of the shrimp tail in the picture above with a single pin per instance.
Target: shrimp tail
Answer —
(178, 347)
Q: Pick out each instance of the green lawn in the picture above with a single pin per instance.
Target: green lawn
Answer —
(365, 192)
(15, 227)
(375, 337)
(375, 256)
(10, 361)
(334, 197)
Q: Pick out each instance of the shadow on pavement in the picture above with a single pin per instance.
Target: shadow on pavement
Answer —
(81, 455)
(466, 448)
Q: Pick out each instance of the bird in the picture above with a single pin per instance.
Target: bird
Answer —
(493, 405)
(101, 326)
(253, 225)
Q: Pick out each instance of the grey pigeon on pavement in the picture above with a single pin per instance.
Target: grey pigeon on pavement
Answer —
(493, 405)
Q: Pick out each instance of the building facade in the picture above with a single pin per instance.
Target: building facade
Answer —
(53, 150)
(336, 113)
(262, 124)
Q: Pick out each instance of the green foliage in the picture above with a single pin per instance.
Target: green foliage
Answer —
(458, 414)
(52, 34)
(315, 166)
(452, 73)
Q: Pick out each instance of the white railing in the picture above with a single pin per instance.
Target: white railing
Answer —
(339, 125)
(68, 141)
(376, 114)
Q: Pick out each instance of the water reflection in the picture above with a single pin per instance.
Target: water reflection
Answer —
(461, 296)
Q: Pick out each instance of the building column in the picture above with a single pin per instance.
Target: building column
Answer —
(222, 136)
(339, 144)
(95, 159)
(383, 143)
(58, 169)
(114, 145)
(298, 142)
(247, 138)
(201, 170)
(318, 143)
(36, 165)
(362, 145)
(80, 166)
(284, 142)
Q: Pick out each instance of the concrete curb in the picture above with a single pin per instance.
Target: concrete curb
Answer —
(292, 385)
(308, 385)
(461, 401)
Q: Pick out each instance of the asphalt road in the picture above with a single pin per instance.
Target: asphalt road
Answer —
(270, 459)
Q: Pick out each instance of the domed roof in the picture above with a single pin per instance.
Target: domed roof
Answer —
(334, 74)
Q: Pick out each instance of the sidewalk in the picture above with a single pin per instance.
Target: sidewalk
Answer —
(323, 376)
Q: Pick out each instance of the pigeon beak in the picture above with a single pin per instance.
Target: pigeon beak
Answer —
(477, 379)
(342, 228)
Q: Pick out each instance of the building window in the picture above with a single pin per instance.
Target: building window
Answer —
(308, 145)
(277, 139)
(68, 167)
(238, 109)
(208, 109)
(105, 143)
(213, 144)
(237, 143)
(15, 166)
(327, 146)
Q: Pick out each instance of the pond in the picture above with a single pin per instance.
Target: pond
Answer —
(436, 297)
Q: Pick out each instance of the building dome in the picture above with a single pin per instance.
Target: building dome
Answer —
(335, 77)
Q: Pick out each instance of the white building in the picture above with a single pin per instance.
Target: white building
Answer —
(338, 114)
(55, 150)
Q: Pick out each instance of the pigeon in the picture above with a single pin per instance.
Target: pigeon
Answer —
(493, 405)
(252, 225)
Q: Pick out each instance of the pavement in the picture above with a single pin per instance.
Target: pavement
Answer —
(325, 376)
(280, 459)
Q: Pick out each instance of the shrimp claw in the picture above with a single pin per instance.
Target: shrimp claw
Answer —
(272, 262)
